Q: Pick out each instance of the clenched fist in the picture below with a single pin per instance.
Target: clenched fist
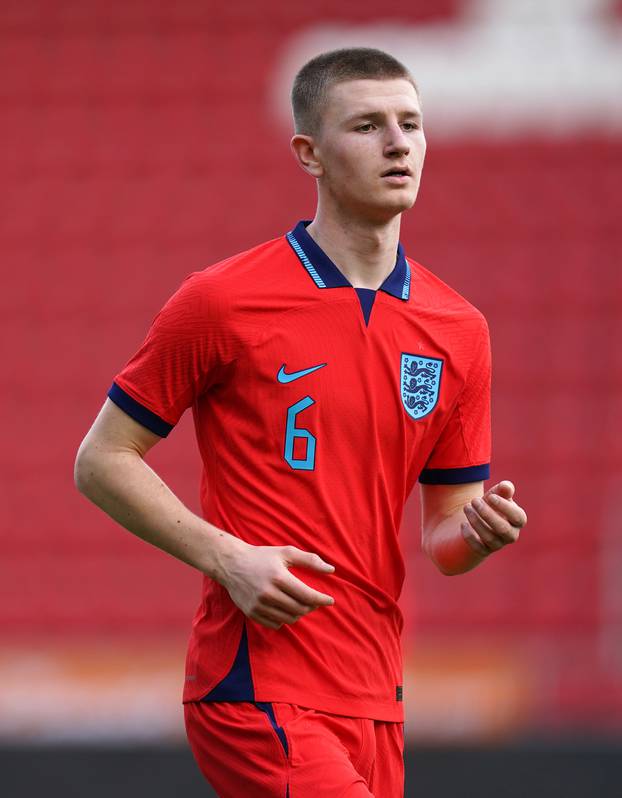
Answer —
(494, 520)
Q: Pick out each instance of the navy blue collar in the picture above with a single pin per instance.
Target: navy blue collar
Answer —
(326, 275)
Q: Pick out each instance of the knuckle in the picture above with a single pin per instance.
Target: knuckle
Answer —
(509, 535)
(482, 530)
(501, 541)
(490, 542)
(472, 540)
(468, 533)
(478, 547)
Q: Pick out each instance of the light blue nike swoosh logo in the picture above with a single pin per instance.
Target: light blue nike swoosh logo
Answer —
(282, 376)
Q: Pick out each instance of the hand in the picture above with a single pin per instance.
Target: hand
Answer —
(494, 520)
(260, 584)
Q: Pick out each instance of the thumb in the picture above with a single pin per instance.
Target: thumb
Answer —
(505, 489)
(307, 559)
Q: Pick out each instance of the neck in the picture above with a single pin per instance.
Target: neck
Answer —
(364, 251)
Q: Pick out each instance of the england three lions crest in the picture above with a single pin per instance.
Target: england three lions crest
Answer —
(420, 380)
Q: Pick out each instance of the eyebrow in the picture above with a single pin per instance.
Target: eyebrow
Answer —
(380, 114)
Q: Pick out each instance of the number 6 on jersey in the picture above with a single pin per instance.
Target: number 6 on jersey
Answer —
(292, 432)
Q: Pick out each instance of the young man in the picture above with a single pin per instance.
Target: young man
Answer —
(326, 373)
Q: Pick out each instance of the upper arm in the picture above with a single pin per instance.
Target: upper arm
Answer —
(441, 501)
(175, 364)
(460, 457)
(113, 430)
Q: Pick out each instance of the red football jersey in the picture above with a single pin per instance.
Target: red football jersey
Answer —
(317, 406)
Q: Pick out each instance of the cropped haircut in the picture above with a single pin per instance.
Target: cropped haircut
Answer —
(313, 81)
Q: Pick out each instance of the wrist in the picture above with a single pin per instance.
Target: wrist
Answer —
(222, 553)
(450, 549)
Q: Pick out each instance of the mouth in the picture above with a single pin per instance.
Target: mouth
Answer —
(397, 174)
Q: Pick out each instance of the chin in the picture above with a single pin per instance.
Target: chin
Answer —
(406, 203)
(381, 208)
(396, 205)
(403, 198)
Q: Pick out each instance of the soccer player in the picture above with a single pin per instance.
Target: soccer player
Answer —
(327, 373)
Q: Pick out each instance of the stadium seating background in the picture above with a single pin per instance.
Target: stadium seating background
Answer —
(136, 146)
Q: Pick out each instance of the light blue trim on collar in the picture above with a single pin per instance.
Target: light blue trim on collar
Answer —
(305, 261)
(406, 288)
(326, 274)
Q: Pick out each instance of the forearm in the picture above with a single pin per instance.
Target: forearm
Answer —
(131, 493)
(447, 548)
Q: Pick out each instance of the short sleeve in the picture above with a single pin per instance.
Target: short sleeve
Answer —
(462, 451)
(178, 360)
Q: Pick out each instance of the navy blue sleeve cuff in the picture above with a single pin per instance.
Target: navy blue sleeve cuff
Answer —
(454, 476)
(139, 413)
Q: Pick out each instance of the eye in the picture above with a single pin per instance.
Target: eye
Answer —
(366, 128)
(410, 126)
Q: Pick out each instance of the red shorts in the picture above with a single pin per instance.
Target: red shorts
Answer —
(278, 750)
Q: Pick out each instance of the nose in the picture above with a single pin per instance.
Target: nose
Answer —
(397, 142)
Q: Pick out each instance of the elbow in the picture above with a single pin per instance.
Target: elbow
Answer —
(84, 469)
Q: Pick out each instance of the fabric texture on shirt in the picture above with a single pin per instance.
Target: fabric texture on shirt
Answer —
(313, 427)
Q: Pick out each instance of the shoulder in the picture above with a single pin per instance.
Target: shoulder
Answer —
(217, 288)
(234, 272)
(439, 301)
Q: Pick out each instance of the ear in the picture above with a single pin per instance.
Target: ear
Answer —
(304, 150)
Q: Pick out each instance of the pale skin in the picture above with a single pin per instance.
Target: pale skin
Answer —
(367, 128)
